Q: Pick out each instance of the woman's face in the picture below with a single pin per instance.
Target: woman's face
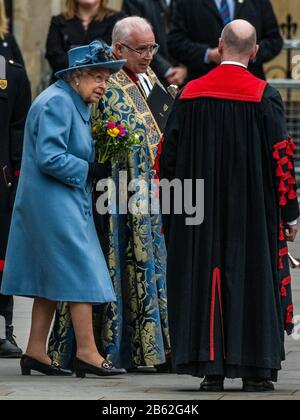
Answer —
(88, 4)
(91, 85)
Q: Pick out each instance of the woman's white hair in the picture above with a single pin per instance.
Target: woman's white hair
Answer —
(72, 74)
(125, 27)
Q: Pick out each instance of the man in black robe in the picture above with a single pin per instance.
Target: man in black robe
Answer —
(229, 284)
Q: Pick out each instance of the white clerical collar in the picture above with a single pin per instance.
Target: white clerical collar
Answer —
(146, 83)
(233, 63)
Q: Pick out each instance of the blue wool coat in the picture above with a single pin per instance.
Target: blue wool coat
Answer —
(53, 249)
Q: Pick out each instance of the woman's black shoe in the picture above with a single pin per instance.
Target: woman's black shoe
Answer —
(107, 369)
(258, 385)
(28, 364)
(212, 384)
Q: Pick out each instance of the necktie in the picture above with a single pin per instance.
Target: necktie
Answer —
(225, 12)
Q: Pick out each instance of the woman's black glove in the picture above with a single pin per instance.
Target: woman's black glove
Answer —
(98, 171)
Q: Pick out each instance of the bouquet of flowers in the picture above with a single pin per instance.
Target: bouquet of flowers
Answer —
(113, 139)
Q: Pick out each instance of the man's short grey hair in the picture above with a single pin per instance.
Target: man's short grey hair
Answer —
(237, 44)
(125, 27)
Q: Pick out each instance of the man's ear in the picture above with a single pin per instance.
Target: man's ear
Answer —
(117, 50)
(254, 53)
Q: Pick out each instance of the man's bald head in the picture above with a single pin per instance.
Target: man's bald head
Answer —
(238, 40)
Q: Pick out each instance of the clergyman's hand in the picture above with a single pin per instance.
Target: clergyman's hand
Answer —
(291, 233)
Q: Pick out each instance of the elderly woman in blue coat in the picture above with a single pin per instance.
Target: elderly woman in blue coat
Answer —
(53, 252)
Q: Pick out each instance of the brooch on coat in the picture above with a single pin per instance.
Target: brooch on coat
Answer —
(3, 84)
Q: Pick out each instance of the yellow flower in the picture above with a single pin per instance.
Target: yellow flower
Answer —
(113, 132)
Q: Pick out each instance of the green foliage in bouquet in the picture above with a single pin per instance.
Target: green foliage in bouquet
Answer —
(113, 139)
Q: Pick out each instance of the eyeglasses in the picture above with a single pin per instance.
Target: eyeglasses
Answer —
(100, 80)
(143, 52)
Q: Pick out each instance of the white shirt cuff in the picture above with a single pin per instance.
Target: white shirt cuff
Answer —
(294, 223)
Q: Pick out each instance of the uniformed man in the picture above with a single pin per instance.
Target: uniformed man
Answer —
(15, 99)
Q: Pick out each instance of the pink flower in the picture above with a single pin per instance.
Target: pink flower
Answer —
(111, 124)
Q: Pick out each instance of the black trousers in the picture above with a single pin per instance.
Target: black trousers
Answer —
(6, 307)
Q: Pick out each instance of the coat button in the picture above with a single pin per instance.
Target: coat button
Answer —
(9, 185)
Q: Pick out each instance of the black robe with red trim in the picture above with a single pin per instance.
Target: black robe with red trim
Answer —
(229, 285)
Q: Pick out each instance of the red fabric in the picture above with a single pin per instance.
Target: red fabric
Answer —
(17, 173)
(281, 233)
(2, 263)
(227, 82)
(216, 287)
(158, 155)
(289, 314)
(132, 75)
(283, 252)
(283, 154)
(285, 282)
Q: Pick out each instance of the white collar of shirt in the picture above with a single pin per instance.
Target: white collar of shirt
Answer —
(146, 83)
(233, 63)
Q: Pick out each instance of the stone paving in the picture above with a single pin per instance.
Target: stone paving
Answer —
(149, 387)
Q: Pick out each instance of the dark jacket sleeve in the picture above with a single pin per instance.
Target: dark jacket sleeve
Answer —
(21, 107)
(160, 66)
(55, 52)
(181, 47)
(271, 42)
(132, 7)
(17, 55)
(277, 132)
(19, 115)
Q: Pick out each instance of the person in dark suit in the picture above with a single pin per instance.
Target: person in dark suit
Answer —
(196, 27)
(158, 13)
(83, 22)
(15, 99)
(8, 45)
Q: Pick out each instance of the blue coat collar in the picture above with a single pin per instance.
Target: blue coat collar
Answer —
(82, 107)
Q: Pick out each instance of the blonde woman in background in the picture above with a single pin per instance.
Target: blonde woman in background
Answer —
(8, 45)
(82, 22)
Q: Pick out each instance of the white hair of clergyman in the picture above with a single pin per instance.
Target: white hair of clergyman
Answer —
(125, 27)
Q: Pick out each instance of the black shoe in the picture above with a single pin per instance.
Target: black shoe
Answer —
(28, 364)
(212, 384)
(8, 347)
(166, 367)
(258, 385)
(107, 369)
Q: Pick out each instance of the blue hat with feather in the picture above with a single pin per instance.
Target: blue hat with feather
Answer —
(96, 55)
